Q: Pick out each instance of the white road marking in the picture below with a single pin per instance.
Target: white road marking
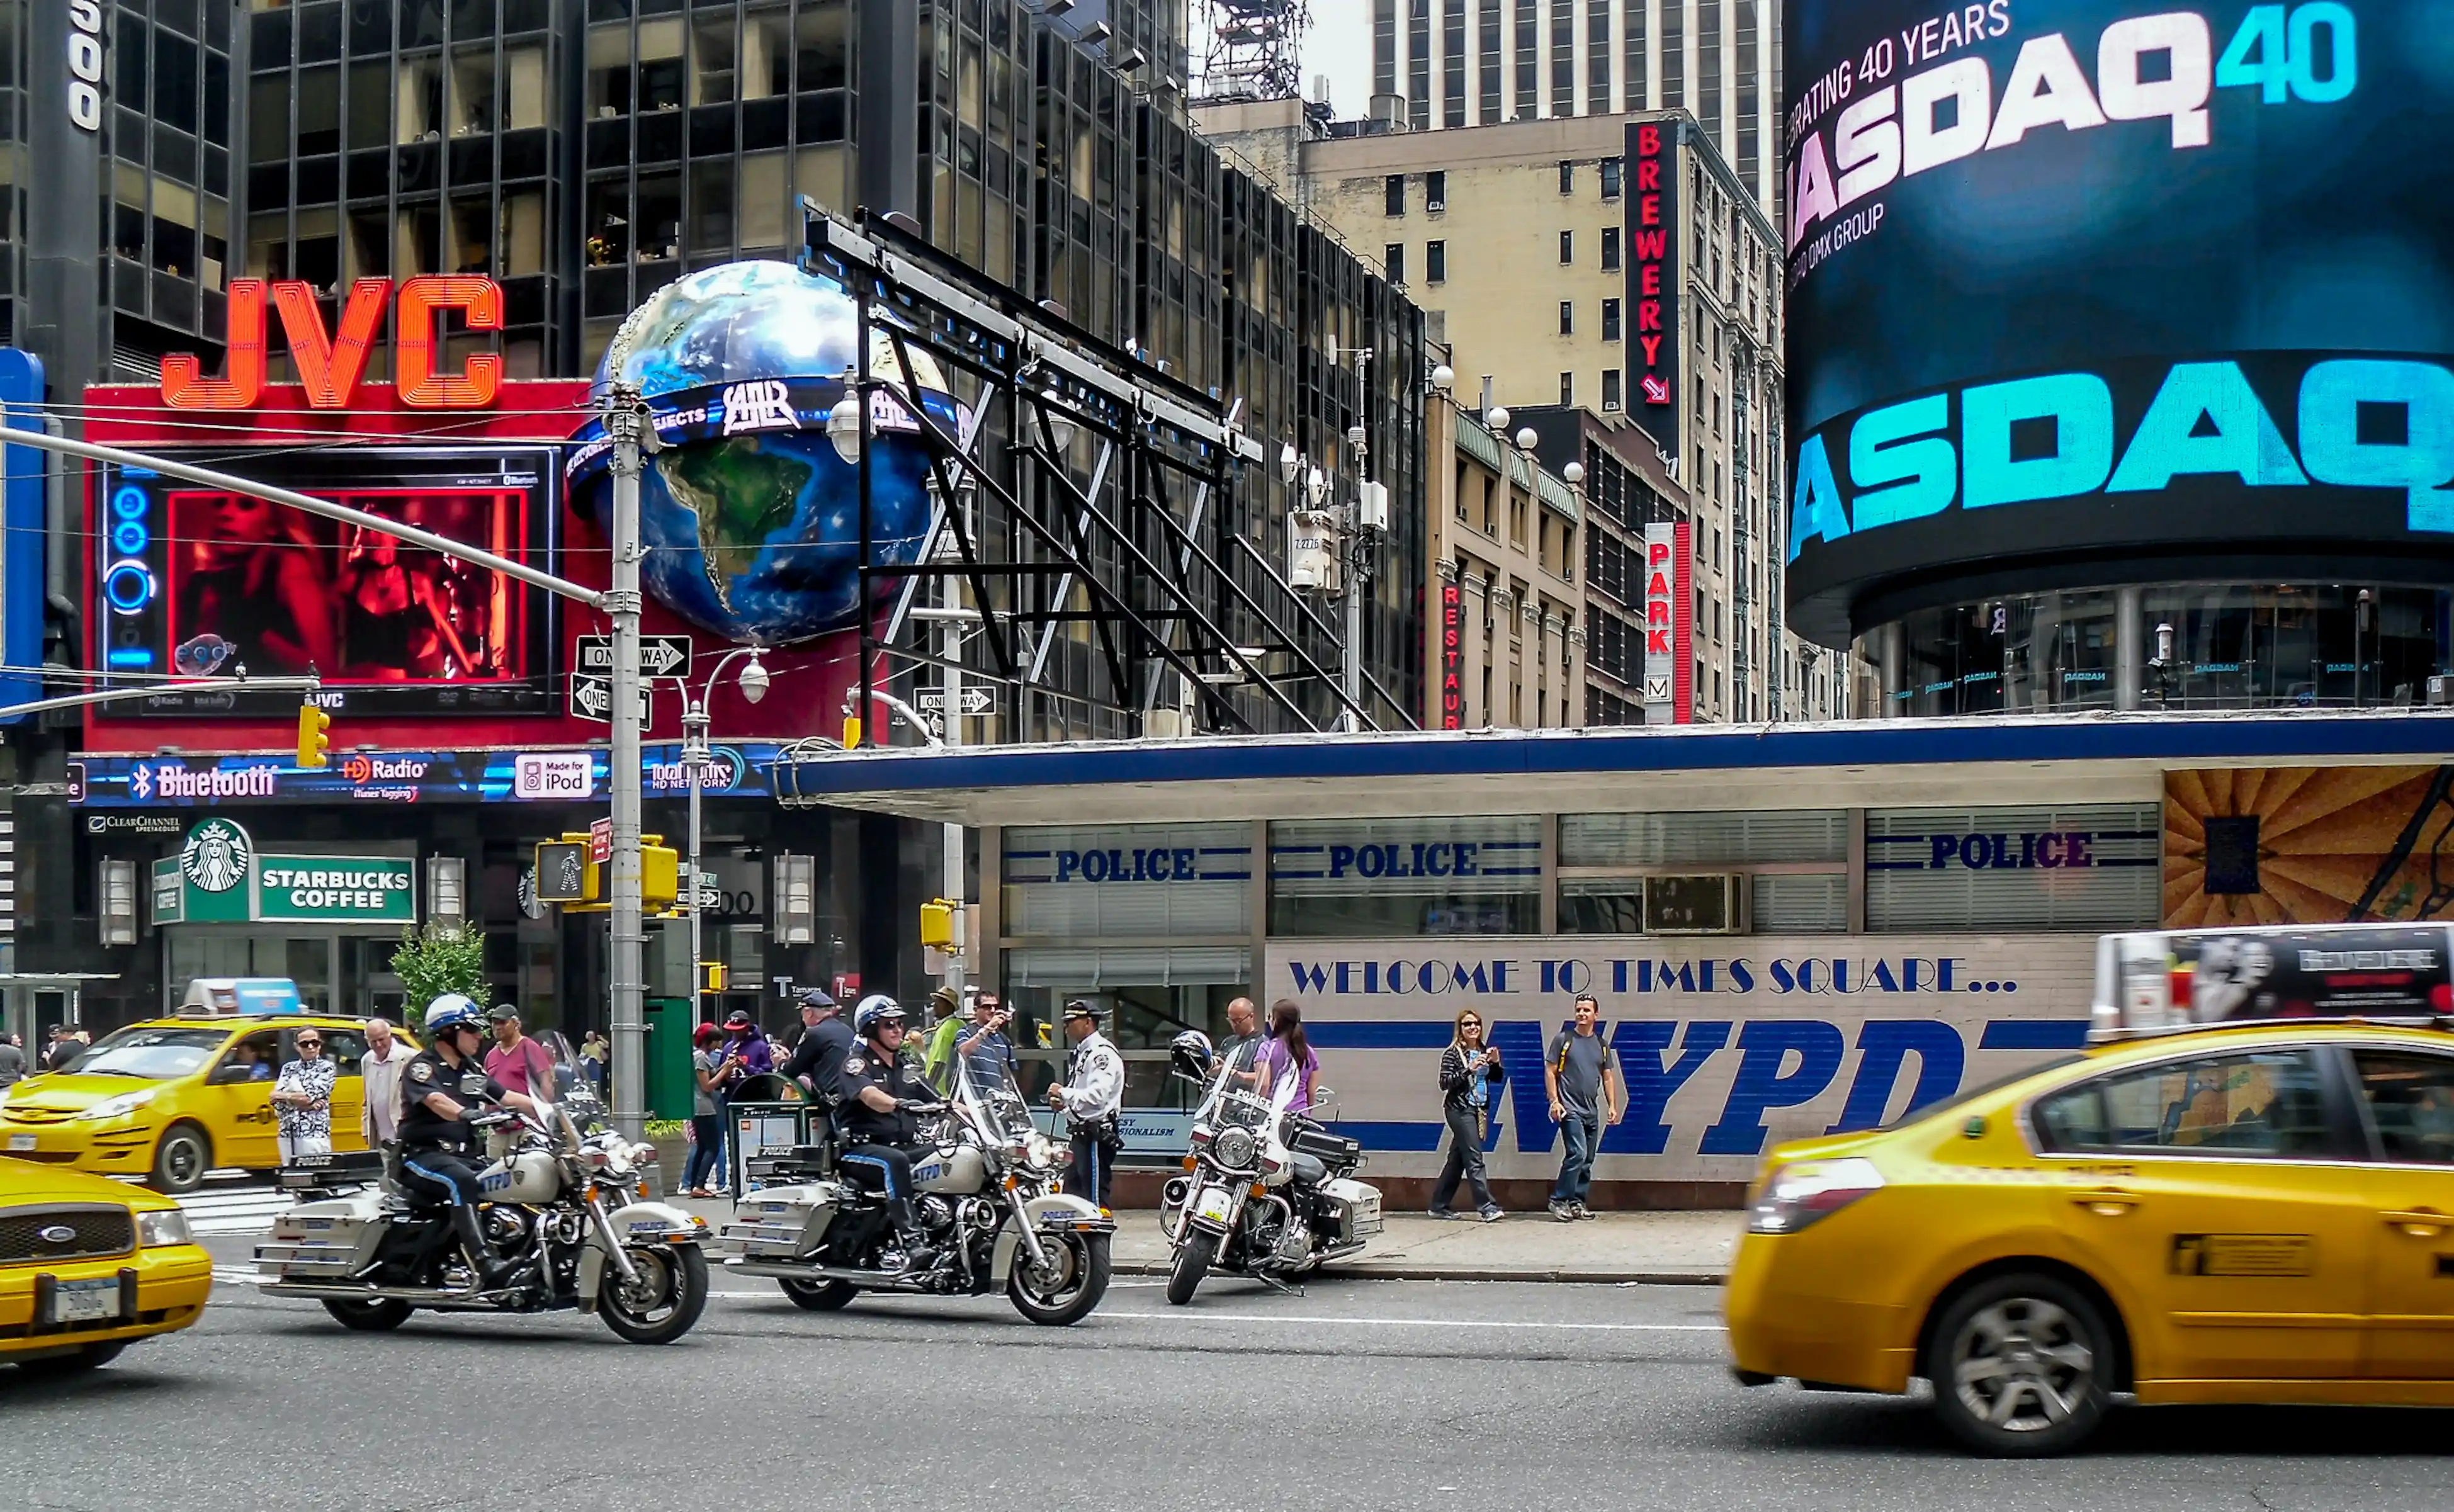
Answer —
(246, 1212)
(1423, 1322)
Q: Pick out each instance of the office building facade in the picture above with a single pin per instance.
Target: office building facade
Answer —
(1439, 65)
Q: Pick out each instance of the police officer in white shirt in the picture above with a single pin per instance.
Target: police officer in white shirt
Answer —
(1092, 1092)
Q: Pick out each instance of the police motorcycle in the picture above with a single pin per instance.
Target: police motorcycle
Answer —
(1267, 1194)
(571, 1206)
(990, 1205)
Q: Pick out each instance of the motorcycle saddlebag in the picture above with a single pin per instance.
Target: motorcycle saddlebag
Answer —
(1332, 1150)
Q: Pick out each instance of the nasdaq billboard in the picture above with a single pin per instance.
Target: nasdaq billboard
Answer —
(2092, 290)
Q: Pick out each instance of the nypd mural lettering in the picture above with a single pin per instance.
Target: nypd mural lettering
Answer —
(1725, 1051)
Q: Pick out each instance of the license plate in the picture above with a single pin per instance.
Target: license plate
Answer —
(85, 1302)
(1214, 1205)
(21, 1141)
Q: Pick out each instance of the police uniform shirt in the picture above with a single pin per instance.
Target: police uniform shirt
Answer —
(1095, 1081)
(467, 1084)
(820, 1056)
(897, 1079)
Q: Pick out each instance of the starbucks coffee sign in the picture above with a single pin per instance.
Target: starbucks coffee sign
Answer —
(220, 877)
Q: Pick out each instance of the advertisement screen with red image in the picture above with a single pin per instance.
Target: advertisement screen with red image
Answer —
(231, 582)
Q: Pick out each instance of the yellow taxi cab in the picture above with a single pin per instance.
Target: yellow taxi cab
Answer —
(170, 1099)
(89, 1266)
(2242, 1191)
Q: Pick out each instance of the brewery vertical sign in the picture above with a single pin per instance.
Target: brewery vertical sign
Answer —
(1652, 170)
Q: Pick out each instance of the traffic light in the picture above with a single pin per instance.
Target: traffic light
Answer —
(315, 736)
(937, 924)
(714, 975)
(851, 731)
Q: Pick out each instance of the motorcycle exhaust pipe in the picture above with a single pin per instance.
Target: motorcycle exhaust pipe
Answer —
(414, 1295)
(786, 1270)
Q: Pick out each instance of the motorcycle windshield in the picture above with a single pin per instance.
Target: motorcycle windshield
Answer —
(565, 1063)
(986, 1085)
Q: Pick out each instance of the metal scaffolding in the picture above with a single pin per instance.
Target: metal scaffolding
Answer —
(1083, 504)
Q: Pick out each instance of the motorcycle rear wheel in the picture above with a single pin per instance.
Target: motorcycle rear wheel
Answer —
(664, 1302)
(1065, 1294)
(376, 1316)
(818, 1297)
(1191, 1264)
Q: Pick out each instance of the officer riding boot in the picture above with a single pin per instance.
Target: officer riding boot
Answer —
(494, 1272)
(918, 1254)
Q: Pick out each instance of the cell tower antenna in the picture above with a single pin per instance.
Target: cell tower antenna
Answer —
(1250, 49)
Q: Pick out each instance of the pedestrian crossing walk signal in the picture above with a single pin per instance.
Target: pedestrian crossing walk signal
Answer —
(315, 738)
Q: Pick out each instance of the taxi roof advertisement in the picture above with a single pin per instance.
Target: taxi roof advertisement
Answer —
(2081, 287)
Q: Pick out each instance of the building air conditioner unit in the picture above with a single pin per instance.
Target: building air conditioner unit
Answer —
(1715, 904)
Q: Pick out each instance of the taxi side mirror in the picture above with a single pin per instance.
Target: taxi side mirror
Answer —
(228, 1075)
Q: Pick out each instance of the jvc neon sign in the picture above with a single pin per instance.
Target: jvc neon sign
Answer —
(330, 361)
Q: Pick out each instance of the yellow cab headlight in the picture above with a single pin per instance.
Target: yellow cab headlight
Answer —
(169, 1226)
(118, 1107)
(1808, 1192)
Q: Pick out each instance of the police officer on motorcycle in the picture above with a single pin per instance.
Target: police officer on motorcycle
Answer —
(880, 1096)
(439, 1088)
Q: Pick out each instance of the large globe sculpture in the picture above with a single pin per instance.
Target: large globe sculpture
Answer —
(749, 518)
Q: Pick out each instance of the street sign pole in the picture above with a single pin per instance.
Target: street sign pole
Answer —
(625, 421)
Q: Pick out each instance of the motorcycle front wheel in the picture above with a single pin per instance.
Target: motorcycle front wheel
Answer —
(664, 1302)
(1063, 1292)
(1192, 1262)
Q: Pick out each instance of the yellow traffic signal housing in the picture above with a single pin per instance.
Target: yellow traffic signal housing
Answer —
(315, 736)
(715, 975)
(660, 873)
(565, 876)
(938, 923)
(851, 731)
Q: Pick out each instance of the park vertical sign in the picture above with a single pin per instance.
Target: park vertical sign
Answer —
(1669, 624)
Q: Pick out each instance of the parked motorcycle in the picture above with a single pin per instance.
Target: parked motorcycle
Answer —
(989, 1203)
(1268, 1194)
(569, 1204)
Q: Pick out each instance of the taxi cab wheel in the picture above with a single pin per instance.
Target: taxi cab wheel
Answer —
(181, 1159)
(2021, 1365)
(59, 1367)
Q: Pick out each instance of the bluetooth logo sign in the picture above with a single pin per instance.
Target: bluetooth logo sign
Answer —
(140, 782)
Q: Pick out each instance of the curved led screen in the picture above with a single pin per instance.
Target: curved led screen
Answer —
(2085, 291)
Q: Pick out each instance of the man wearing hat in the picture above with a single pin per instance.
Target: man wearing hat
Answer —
(817, 1061)
(518, 1062)
(947, 1016)
(1089, 1097)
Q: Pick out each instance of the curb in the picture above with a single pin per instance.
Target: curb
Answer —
(1399, 1272)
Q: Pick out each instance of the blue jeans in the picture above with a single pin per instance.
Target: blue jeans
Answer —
(1581, 1134)
(707, 1150)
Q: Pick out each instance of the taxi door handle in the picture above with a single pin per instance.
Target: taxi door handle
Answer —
(2106, 1201)
(2420, 1224)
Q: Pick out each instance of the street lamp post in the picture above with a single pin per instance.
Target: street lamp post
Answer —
(625, 421)
(695, 758)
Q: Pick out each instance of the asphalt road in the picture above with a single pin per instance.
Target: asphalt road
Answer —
(1360, 1395)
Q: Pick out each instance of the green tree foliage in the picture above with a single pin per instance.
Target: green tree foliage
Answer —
(436, 959)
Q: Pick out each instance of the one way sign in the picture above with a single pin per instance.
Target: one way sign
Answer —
(593, 698)
(659, 656)
(976, 700)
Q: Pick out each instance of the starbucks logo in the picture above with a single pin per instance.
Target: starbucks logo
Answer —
(215, 857)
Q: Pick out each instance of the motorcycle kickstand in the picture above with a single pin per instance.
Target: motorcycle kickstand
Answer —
(1281, 1287)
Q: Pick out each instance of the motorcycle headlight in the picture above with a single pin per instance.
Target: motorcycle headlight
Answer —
(1809, 1192)
(118, 1107)
(1041, 1151)
(1234, 1148)
(170, 1226)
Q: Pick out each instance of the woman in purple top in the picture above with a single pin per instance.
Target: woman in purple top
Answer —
(1285, 1055)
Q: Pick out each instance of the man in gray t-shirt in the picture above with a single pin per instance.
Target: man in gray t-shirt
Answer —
(1586, 1092)
(12, 1061)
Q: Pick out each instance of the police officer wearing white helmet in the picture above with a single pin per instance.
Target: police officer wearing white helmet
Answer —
(1093, 1091)
(880, 1096)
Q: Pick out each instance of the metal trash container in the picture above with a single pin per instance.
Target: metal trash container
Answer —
(772, 1116)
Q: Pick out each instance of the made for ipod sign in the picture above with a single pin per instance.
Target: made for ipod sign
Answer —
(553, 774)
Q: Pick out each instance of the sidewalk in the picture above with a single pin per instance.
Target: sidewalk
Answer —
(1673, 1249)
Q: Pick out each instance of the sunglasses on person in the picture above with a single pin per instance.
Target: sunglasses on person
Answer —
(311, 1043)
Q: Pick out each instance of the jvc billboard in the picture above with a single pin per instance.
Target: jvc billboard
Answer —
(2078, 285)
